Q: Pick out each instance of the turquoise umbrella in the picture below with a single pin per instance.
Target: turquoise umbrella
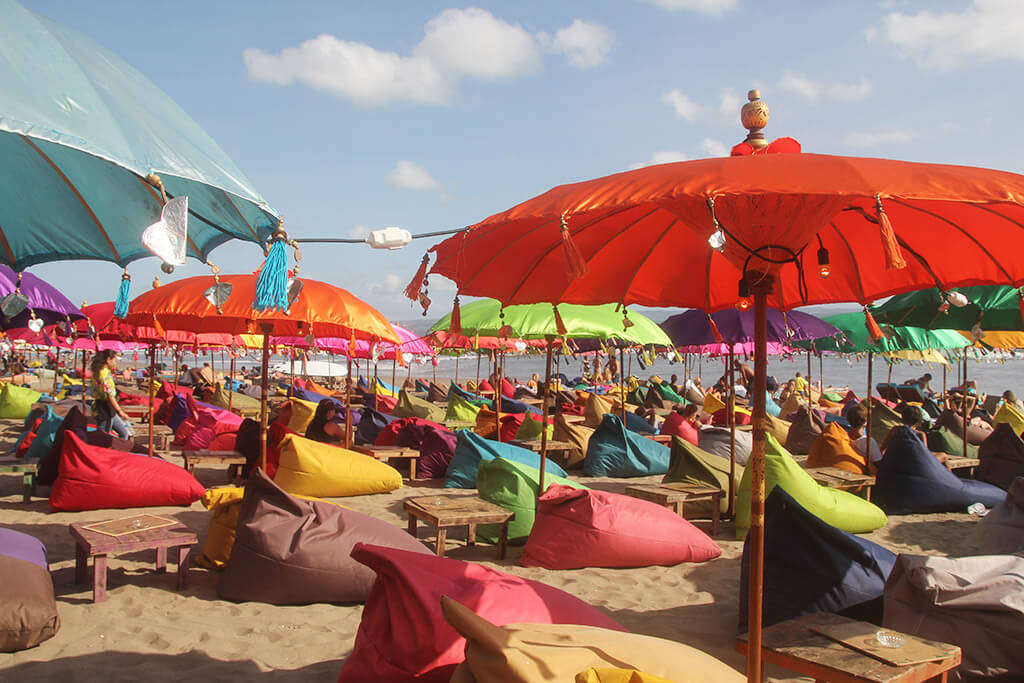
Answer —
(855, 337)
(80, 133)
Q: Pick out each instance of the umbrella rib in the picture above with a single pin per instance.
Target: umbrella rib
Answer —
(7, 247)
(853, 259)
(71, 186)
(497, 253)
(238, 211)
(650, 251)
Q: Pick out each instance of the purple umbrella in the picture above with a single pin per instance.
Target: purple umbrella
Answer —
(26, 299)
(731, 326)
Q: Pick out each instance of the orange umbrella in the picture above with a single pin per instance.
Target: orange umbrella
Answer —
(787, 228)
(318, 309)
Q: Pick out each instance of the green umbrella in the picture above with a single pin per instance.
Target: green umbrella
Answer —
(855, 338)
(997, 308)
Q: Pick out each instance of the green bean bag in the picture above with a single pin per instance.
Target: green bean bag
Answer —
(883, 419)
(460, 410)
(238, 400)
(514, 486)
(667, 394)
(530, 429)
(16, 402)
(841, 509)
(690, 465)
(944, 440)
(410, 406)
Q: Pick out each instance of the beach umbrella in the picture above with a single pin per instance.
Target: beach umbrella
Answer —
(27, 301)
(853, 337)
(222, 304)
(90, 151)
(783, 229)
(996, 308)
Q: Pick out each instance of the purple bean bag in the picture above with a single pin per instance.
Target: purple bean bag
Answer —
(28, 610)
(436, 450)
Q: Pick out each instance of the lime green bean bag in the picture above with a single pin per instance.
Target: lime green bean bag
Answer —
(841, 509)
(513, 486)
(411, 406)
(16, 402)
(531, 428)
(668, 394)
(691, 465)
(238, 400)
(460, 410)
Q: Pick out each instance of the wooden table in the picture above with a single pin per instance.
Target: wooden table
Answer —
(458, 424)
(664, 439)
(574, 419)
(387, 453)
(562, 447)
(447, 511)
(793, 646)
(99, 546)
(835, 478)
(233, 459)
(675, 496)
(27, 470)
(955, 462)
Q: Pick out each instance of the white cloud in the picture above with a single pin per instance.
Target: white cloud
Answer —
(715, 8)
(713, 148)
(812, 91)
(407, 175)
(457, 44)
(663, 157)
(986, 30)
(391, 285)
(684, 107)
(889, 137)
(358, 231)
(730, 103)
(585, 43)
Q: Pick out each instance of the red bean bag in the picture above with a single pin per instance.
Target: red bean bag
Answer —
(403, 635)
(385, 404)
(409, 426)
(209, 424)
(677, 425)
(578, 528)
(133, 399)
(436, 450)
(168, 390)
(507, 388)
(93, 478)
(720, 417)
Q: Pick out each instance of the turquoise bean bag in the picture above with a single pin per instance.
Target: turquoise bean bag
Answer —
(513, 486)
(45, 434)
(615, 451)
(471, 449)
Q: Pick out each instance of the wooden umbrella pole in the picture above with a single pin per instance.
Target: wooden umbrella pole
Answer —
(56, 367)
(457, 356)
(944, 378)
(810, 387)
(871, 363)
(433, 369)
(965, 405)
(231, 381)
(84, 385)
(731, 418)
(174, 380)
(544, 415)
(888, 379)
(821, 371)
(152, 390)
(761, 287)
(622, 385)
(478, 357)
(264, 370)
(348, 405)
(497, 394)
(394, 369)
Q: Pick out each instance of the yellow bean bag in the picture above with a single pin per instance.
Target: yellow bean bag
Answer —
(238, 401)
(712, 404)
(777, 427)
(1011, 416)
(557, 652)
(595, 410)
(302, 415)
(618, 676)
(576, 434)
(311, 468)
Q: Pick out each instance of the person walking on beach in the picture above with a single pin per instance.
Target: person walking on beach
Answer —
(110, 416)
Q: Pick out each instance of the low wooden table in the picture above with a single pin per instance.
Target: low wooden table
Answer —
(233, 459)
(955, 462)
(458, 424)
(664, 439)
(562, 447)
(794, 646)
(99, 546)
(28, 477)
(835, 478)
(675, 496)
(388, 453)
(574, 419)
(447, 511)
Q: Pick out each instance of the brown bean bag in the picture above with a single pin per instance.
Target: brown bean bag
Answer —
(955, 423)
(883, 419)
(806, 428)
(1001, 531)
(437, 394)
(833, 449)
(1002, 457)
(28, 610)
(576, 434)
(289, 551)
(595, 410)
(777, 427)
(654, 399)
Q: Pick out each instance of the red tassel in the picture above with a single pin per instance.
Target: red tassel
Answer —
(873, 329)
(455, 326)
(1020, 304)
(352, 344)
(714, 330)
(412, 291)
(893, 254)
(559, 323)
(577, 265)
(505, 332)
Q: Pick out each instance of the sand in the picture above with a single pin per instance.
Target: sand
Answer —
(146, 631)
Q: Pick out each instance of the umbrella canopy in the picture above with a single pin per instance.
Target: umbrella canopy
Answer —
(740, 348)
(80, 130)
(996, 308)
(487, 318)
(445, 342)
(853, 337)
(32, 297)
(697, 328)
(412, 343)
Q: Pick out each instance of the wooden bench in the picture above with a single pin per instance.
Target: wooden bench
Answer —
(795, 646)
(954, 462)
(233, 459)
(448, 511)
(28, 476)
(664, 439)
(554, 447)
(455, 425)
(675, 496)
(388, 453)
(835, 478)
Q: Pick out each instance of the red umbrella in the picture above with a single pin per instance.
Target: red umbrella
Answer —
(793, 229)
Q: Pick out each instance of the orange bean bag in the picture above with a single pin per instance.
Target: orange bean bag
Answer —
(832, 448)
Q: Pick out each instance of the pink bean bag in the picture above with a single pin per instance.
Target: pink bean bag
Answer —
(677, 425)
(94, 478)
(209, 424)
(403, 635)
(578, 528)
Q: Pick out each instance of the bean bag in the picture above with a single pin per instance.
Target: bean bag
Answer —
(883, 419)
(28, 610)
(577, 528)
(1001, 531)
(677, 425)
(509, 405)
(411, 427)
(945, 440)
(437, 394)
(168, 390)
(292, 551)
(975, 434)
(477, 400)
(805, 429)
(778, 427)
(93, 478)
(617, 676)
(688, 464)
(311, 468)
(16, 402)
(653, 399)
(833, 449)
(716, 440)
(485, 385)
(172, 412)
(912, 480)
(247, 442)
(531, 429)
(577, 435)
(411, 406)
(721, 416)
(976, 603)
(615, 451)
(1002, 457)
(514, 486)
(841, 509)
(437, 449)
(543, 652)
(29, 426)
(595, 409)
(371, 423)
(238, 401)
(460, 410)
(668, 394)
(472, 449)
(224, 502)
(509, 422)
(45, 433)
(811, 566)
(507, 388)
(74, 421)
(403, 636)
(209, 424)
(302, 415)
(304, 393)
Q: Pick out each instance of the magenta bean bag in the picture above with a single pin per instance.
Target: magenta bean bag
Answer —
(677, 425)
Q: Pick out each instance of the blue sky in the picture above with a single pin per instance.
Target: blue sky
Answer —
(455, 112)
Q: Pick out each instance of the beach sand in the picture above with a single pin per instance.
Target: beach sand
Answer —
(146, 631)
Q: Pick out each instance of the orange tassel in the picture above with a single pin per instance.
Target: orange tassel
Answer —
(352, 344)
(893, 254)
(577, 265)
(559, 323)
(455, 326)
(873, 329)
(412, 290)
(714, 331)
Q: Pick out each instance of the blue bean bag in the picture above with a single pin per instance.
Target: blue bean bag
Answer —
(45, 433)
(510, 405)
(307, 395)
(471, 449)
(371, 424)
(179, 412)
(635, 423)
(912, 480)
(615, 451)
(28, 610)
(811, 566)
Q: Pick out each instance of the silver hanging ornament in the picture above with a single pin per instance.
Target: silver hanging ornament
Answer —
(217, 294)
(34, 323)
(294, 289)
(13, 304)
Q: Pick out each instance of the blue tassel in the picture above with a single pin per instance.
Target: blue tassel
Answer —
(272, 285)
(121, 307)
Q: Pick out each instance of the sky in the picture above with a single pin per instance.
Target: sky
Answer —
(353, 116)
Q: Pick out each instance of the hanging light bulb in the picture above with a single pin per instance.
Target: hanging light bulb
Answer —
(824, 267)
(743, 303)
(957, 299)
(717, 240)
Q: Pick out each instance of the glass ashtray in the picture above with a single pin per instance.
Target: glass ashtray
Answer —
(890, 639)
